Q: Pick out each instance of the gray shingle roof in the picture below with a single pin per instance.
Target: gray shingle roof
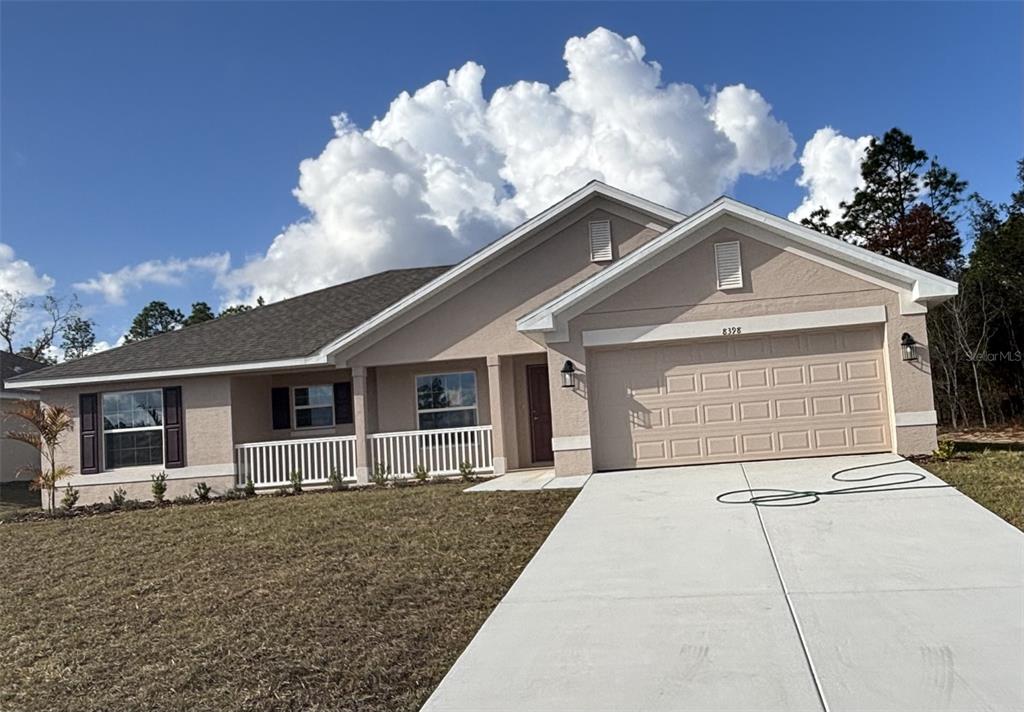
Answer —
(12, 365)
(291, 328)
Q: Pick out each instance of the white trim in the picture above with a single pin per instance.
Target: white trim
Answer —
(129, 475)
(919, 417)
(711, 328)
(924, 288)
(720, 254)
(475, 407)
(498, 246)
(570, 442)
(176, 372)
(295, 409)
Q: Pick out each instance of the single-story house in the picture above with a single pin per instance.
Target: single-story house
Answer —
(15, 456)
(605, 333)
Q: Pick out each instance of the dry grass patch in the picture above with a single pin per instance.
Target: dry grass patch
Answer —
(993, 478)
(339, 601)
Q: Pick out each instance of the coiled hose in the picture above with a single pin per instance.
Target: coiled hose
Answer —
(797, 498)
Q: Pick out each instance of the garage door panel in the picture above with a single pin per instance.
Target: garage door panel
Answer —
(676, 407)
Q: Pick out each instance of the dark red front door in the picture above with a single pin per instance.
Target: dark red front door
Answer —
(539, 399)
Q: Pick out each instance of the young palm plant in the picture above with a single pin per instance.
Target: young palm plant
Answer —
(48, 423)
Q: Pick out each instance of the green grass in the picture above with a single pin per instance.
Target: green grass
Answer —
(993, 479)
(339, 601)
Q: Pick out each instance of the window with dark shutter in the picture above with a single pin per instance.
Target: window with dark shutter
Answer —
(281, 407)
(174, 428)
(89, 420)
(342, 402)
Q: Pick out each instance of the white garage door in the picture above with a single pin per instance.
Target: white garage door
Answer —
(741, 398)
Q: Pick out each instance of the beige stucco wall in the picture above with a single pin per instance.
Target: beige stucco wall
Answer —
(251, 401)
(775, 282)
(396, 392)
(479, 319)
(208, 439)
(14, 455)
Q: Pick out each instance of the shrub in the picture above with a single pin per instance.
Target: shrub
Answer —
(296, 480)
(250, 487)
(336, 480)
(159, 487)
(119, 497)
(183, 499)
(466, 470)
(381, 474)
(234, 493)
(421, 473)
(945, 450)
(203, 492)
(70, 498)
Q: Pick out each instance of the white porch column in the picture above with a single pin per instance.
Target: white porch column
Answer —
(497, 414)
(359, 407)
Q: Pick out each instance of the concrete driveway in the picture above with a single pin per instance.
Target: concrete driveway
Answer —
(651, 595)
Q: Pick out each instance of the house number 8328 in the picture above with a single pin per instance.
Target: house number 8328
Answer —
(731, 331)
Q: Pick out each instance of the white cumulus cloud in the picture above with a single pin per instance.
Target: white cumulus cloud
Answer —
(113, 286)
(446, 169)
(830, 164)
(21, 277)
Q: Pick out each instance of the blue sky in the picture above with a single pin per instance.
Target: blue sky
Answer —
(135, 132)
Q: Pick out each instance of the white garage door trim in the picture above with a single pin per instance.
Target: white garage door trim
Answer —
(752, 397)
(710, 328)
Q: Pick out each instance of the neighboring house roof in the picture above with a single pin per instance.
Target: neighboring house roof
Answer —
(12, 365)
(352, 314)
(288, 331)
(918, 288)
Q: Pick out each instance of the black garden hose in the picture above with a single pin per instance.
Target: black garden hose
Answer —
(798, 498)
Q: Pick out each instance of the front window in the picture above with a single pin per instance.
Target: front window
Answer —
(446, 400)
(133, 432)
(314, 407)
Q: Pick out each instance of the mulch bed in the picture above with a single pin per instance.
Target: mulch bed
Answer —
(357, 600)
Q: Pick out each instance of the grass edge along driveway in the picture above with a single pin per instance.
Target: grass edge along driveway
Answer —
(339, 601)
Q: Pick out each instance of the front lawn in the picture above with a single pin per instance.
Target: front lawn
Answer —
(993, 479)
(339, 601)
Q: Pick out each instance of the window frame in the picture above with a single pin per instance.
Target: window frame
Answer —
(104, 431)
(295, 407)
(476, 399)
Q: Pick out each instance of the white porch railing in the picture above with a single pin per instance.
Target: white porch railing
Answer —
(270, 464)
(439, 451)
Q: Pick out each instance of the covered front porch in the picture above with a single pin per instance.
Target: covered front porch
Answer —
(363, 423)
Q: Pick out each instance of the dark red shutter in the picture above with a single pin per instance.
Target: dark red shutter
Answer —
(281, 405)
(174, 428)
(343, 402)
(89, 418)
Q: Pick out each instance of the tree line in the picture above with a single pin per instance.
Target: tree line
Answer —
(67, 335)
(913, 209)
(909, 207)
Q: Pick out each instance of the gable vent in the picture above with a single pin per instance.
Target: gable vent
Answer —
(600, 241)
(727, 265)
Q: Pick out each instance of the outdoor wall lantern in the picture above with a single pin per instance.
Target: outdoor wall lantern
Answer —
(908, 347)
(567, 374)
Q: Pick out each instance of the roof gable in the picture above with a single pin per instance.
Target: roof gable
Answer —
(917, 287)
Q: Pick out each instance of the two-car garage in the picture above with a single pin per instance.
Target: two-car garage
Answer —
(780, 395)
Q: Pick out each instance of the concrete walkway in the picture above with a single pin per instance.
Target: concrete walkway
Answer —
(650, 595)
(529, 480)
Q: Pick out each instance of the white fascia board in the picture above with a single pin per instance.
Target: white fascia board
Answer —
(495, 248)
(925, 287)
(255, 366)
(710, 328)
